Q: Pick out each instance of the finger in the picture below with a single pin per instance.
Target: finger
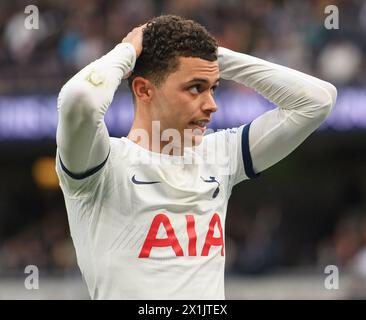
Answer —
(141, 27)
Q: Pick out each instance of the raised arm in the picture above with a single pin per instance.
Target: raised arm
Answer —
(303, 103)
(82, 136)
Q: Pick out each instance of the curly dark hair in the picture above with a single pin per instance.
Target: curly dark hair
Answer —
(167, 37)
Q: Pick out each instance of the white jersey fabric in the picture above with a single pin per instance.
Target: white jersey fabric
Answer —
(152, 226)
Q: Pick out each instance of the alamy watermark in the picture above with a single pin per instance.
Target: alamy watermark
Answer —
(331, 281)
(31, 21)
(31, 281)
(190, 147)
(332, 19)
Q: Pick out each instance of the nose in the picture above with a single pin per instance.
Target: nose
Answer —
(209, 104)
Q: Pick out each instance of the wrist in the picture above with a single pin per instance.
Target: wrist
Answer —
(127, 47)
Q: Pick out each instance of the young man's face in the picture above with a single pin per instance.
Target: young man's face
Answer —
(185, 99)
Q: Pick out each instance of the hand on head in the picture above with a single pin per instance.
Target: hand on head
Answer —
(135, 38)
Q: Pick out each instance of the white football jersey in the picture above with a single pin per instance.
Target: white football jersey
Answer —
(147, 225)
(152, 226)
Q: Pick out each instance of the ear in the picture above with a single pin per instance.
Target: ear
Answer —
(142, 89)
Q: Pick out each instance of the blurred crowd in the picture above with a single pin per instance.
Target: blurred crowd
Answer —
(73, 33)
(45, 243)
(258, 243)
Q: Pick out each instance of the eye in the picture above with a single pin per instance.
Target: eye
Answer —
(194, 89)
(197, 88)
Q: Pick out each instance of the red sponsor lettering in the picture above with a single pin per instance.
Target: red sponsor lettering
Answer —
(210, 239)
(192, 236)
(152, 241)
(172, 241)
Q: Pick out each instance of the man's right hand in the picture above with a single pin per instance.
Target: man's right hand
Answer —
(135, 38)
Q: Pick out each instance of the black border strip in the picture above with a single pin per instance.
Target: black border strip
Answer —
(247, 158)
(88, 173)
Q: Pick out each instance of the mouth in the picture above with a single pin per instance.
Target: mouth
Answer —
(199, 124)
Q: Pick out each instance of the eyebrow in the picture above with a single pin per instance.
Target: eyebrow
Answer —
(203, 80)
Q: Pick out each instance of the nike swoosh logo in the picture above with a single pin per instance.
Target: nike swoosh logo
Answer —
(143, 182)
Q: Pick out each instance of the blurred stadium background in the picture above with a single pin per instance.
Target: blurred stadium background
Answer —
(305, 213)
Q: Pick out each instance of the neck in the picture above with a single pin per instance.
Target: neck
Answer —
(147, 134)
